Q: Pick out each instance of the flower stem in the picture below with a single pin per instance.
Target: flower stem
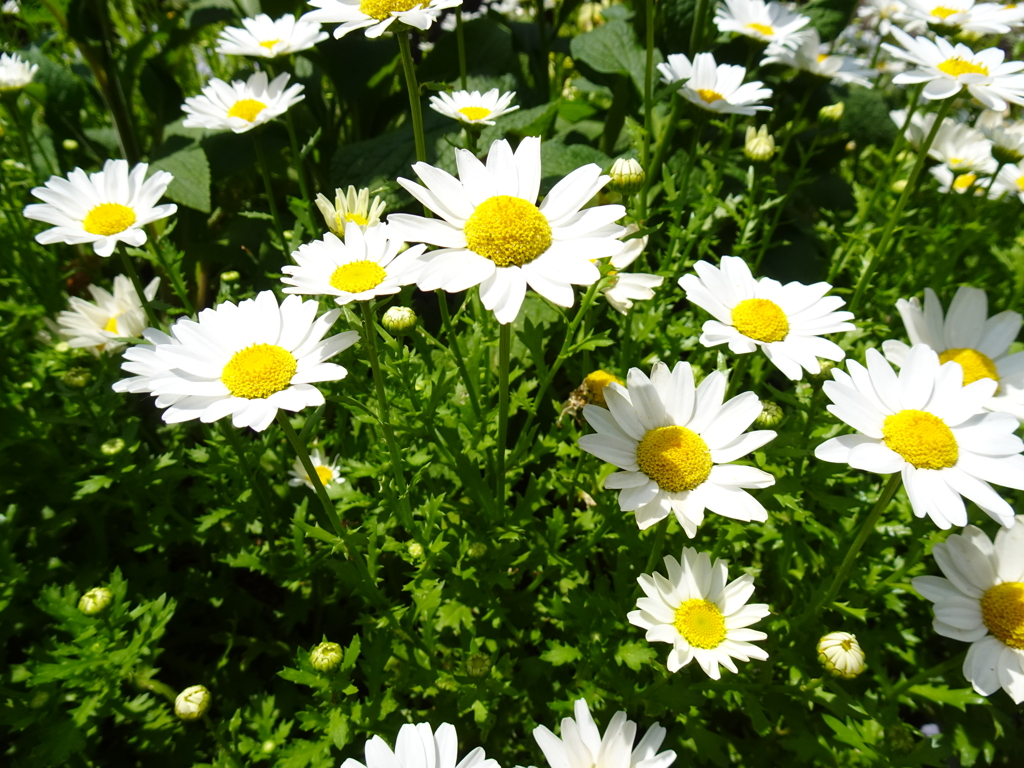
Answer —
(645, 148)
(660, 150)
(460, 38)
(453, 346)
(737, 375)
(697, 30)
(314, 478)
(414, 95)
(129, 268)
(504, 353)
(261, 159)
(300, 170)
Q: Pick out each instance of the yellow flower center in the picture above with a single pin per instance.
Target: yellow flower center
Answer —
(596, 382)
(259, 371)
(108, 219)
(1020, 183)
(508, 230)
(708, 95)
(475, 113)
(676, 458)
(326, 474)
(382, 9)
(268, 44)
(957, 66)
(247, 109)
(1002, 610)
(701, 623)
(761, 320)
(358, 276)
(357, 219)
(942, 12)
(975, 364)
(921, 438)
(964, 181)
(111, 325)
(822, 57)
(764, 29)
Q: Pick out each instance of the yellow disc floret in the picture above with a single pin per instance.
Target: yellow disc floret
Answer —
(921, 438)
(701, 623)
(475, 113)
(247, 109)
(1002, 610)
(258, 371)
(111, 325)
(964, 181)
(326, 474)
(709, 95)
(764, 29)
(358, 276)
(761, 320)
(508, 230)
(942, 12)
(596, 382)
(268, 44)
(357, 218)
(108, 219)
(957, 66)
(676, 458)
(382, 9)
(976, 365)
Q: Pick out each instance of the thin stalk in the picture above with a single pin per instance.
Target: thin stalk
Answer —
(15, 112)
(414, 95)
(691, 160)
(180, 290)
(645, 148)
(766, 237)
(992, 181)
(129, 268)
(697, 30)
(543, 77)
(453, 346)
(300, 170)
(504, 353)
(460, 38)
(657, 547)
(314, 478)
(660, 150)
(737, 375)
(261, 159)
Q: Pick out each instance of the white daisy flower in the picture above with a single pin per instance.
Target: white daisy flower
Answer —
(417, 746)
(961, 148)
(352, 207)
(965, 15)
(981, 602)
(948, 69)
(142, 360)
(241, 106)
(702, 615)
(625, 288)
(950, 181)
(883, 15)
(675, 442)
(377, 15)
(929, 427)
(492, 234)
(325, 469)
(676, 70)
(97, 326)
(11, 7)
(1007, 137)
(264, 37)
(768, 22)
(1010, 179)
(583, 746)
(811, 56)
(15, 72)
(474, 108)
(720, 88)
(966, 335)
(246, 361)
(785, 321)
(364, 266)
(104, 208)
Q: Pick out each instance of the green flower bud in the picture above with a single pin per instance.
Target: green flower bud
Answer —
(267, 747)
(399, 321)
(229, 277)
(898, 186)
(77, 378)
(833, 113)
(112, 447)
(841, 655)
(61, 347)
(95, 601)
(900, 739)
(759, 145)
(477, 550)
(627, 176)
(478, 665)
(192, 703)
(326, 657)
(771, 414)
(415, 549)
(70, 145)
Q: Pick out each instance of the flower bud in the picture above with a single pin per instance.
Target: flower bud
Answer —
(771, 414)
(77, 378)
(594, 385)
(399, 321)
(95, 601)
(900, 738)
(415, 549)
(326, 657)
(229, 277)
(759, 145)
(478, 665)
(112, 447)
(899, 186)
(192, 703)
(833, 113)
(61, 347)
(70, 145)
(851, 146)
(627, 176)
(841, 655)
(826, 371)
(477, 550)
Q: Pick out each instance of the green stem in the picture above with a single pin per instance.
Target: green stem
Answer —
(645, 148)
(737, 375)
(129, 268)
(15, 112)
(691, 160)
(766, 237)
(180, 290)
(992, 181)
(414, 95)
(300, 170)
(258, 481)
(261, 160)
(657, 547)
(504, 353)
(453, 346)
(660, 150)
(460, 38)
(696, 31)
(544, 79)
(925, 675)
(314, 478)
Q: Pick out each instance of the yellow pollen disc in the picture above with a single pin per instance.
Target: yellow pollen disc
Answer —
(701, 623)
(357, 219)
(942, 12)
(921, 438)
(596, 382)
(268, 44)
(761, 320)
(1020, 183)
(247, 109)
(956, 66)
(764, 29)
(508, 230)
(108, 219)
(708, 95)
(963, 182)
(111, 324)
(676, 458)
(358, 276)
(975, 364)
(382, 9)
(259, 371)
(475, 113)
(1002, 610)
(326, 474)
(822, 57)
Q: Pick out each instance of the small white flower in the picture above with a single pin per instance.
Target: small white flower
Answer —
(720, 88)
(142, 360)
(241, 106)
(352, 207)
(417, 746)
(97, 326)
(15, 72)
(10, 7)
(841, 654)
(965, 15)
(474, 108)
(102, 208)
(264, 37)
(676, 70)
(1010, 179)
(701, 614)
(882, 15)
(325, 469)
(981, 602)
(377, 15)
(768, 22)
(625, 288)
(811, 56)
(950, 181)
(1007, 137)
(961, 147)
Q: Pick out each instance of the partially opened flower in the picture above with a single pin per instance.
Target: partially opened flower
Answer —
(245, 361)
(474, 108)
(929, 427)
(97, 326)
(675, 443)
(241, 106)
(417, 746)
(377, 15)
(883, 15)
(981, 601)
(961, 148)
(627, 287)
(325, 469)
(720, 88)
(1007, 137)
(785, 321)
(676, 70)
(700, 613)
(966, 335)
(491, 233)
(15, 72)
(142, 360)
(583, 746)
(351, 207)
(768, 22)
(965, 15)
(266, 38)
(103, 209)
(814, 57)
(1010, 179)
(364, 266)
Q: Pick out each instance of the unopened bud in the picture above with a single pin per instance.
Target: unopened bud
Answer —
(77, 378)
(851, 146)
(841, 655)
(70, 145)
(268, 747)
(627, 176)
(61, 347)
(415, 549)
(900, 739)
(833, 113)
(326, 657)
(771, 414)
(95, 601)
(899, 186)
(112, 447)
(759, 145)
(399, 320)
(192, 703)
(825, 374)
(229, 277)
(477, 550)
(1006, 155)
(478, 665)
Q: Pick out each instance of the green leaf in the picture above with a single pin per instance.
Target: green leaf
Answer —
(613, 49)
(957, 697)
(634, 655)
(559, 160)
(559, 654)
(92, 485)
(191, 170)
